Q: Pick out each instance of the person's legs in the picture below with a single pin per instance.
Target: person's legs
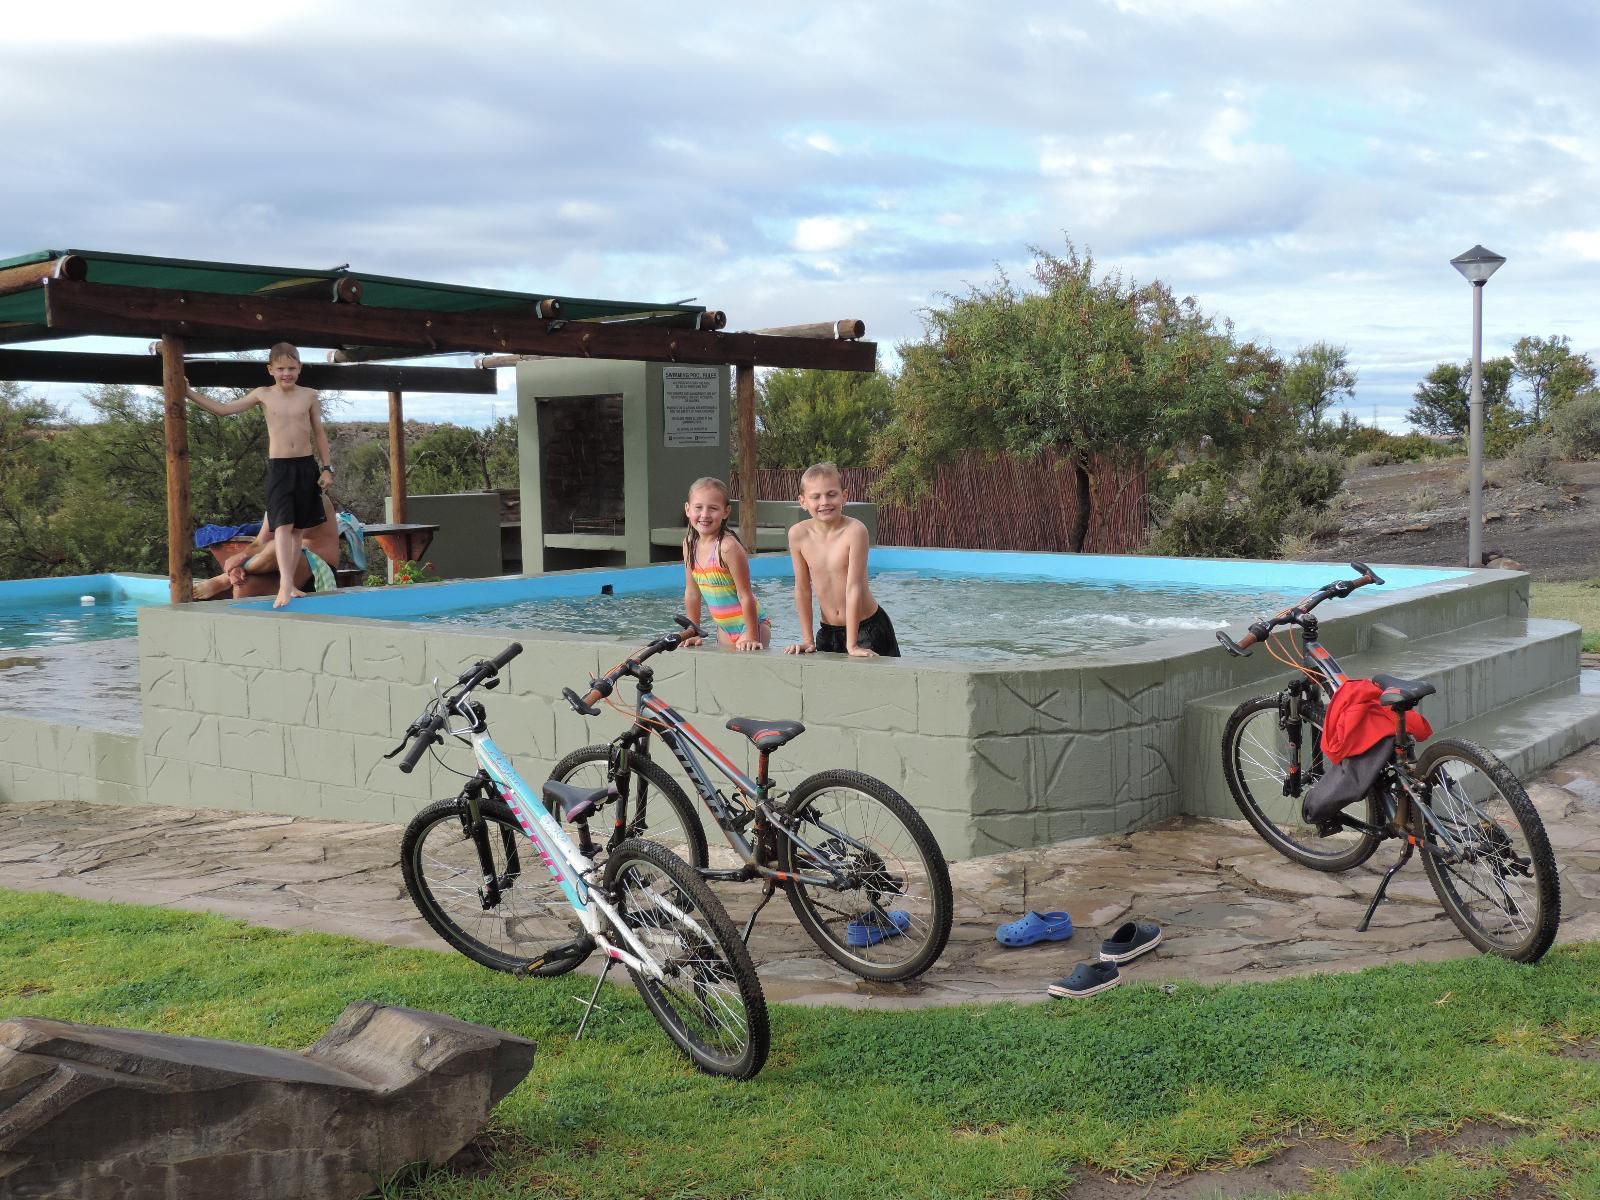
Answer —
(286, 541)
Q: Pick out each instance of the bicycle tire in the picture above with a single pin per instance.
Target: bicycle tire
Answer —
(1475, 805)
(681, 832)
(1254, 762)
(443, 875)
(904, 872)
(711, 1005)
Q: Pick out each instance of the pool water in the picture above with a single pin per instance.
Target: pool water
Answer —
(39, 613)
(965, 617)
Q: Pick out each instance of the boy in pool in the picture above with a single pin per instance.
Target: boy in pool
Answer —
(294, 422)
(831, 549)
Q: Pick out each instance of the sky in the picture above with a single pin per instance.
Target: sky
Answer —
(1304, 171)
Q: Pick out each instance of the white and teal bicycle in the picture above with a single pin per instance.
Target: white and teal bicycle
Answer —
(463, 862)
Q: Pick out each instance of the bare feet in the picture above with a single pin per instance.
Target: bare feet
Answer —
(283, 597)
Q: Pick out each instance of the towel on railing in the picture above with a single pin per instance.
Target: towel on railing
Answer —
(355, 540)
(210, 535)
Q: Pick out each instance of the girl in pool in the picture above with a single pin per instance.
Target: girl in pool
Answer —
(717, 570)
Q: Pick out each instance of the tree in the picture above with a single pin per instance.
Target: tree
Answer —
(1317, 377)
(31, 482)
(1442, 401)
(807, 416)
(1097, 368)
(1552, 372)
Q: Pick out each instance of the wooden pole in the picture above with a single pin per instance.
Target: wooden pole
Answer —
(745, 391)
(180, 522)
(18, 279)
(397, 460)
(848, 329)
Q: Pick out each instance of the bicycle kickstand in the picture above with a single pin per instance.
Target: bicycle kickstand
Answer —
(588, 1008)
(766, 894)
(1377, 896)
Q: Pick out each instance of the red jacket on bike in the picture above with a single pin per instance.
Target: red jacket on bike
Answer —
(1357, 721)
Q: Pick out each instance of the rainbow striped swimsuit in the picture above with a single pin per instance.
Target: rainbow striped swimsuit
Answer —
(721, 597)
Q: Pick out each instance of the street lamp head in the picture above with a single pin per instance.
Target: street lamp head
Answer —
(1477, 264)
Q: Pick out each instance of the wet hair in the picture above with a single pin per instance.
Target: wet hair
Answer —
(707, 482)
(283, 350)
(817, 471)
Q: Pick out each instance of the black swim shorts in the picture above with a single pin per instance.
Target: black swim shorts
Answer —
(293, 497)
(876, 633)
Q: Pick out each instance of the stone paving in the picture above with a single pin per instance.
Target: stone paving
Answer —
(1230, 908)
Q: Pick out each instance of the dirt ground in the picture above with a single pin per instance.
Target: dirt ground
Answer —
(1416, 513)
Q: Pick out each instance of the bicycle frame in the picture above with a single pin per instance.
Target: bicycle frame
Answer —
(693, 749)
(566, 863)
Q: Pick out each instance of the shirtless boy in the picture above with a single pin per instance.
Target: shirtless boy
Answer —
(294, 423)
(830, 554)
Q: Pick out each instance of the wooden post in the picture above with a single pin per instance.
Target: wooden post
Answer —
(397, 461)
(180, 522)
(745, 392)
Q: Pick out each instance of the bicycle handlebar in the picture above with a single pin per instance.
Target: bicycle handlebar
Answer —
(424, 731)
(1261, 629)
(602, 687)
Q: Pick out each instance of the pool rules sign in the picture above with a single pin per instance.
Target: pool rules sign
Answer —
(691, 399)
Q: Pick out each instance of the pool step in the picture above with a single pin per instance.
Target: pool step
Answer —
(1511, 683)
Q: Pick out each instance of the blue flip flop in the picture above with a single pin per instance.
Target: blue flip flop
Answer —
(1035, 927)
(869, 929)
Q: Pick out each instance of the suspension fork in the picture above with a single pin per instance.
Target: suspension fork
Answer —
(475, 827)
(1291, 719)
(619, 773)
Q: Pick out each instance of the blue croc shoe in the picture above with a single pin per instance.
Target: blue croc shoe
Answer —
(870, 928)
(1035, 927)
(1086, 979)
(1131, 939)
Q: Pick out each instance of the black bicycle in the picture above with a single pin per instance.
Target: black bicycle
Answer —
(862, 870)
(1483, 845)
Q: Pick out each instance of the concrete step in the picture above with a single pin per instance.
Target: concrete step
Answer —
(1509, 682)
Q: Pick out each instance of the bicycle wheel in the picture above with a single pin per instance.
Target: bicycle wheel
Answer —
(658, 808)
(710, 1003)
(894, 921)
(531, 917)
(1501, 890)
(1256, 756)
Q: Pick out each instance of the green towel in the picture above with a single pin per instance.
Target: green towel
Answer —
(321, 573)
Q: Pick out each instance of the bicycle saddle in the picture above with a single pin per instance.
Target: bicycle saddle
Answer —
(575, 802)
(1402, 693)
(767, 735)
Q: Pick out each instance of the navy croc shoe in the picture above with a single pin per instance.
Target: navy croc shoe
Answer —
(1131, 939)
(1086, 979)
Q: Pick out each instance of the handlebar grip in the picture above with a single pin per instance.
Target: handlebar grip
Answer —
(1371, 576)
(692, 629)
(506, 655)
(1239, 649)
(425, 738)
(584, 705)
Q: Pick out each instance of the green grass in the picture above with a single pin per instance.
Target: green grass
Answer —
(1004, 1100)
(1575, 602)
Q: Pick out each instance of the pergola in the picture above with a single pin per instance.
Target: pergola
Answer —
(206, 307)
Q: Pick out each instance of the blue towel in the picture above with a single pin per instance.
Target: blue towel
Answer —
(354, 537)
(210, 535)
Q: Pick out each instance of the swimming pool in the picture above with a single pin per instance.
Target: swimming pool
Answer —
(952, 605)
(37, 613)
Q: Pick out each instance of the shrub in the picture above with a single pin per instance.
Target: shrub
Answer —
(1372, 458)
(1537, 457)
(1249, 515)
(1576, 425)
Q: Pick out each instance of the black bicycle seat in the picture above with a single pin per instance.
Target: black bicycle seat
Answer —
(767, 735)
(575, 802)
(1402, 693)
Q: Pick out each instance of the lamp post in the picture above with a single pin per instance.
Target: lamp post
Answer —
(1476, 265)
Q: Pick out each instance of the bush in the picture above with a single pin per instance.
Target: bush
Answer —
(1537, 457)
(1372, 458)
(1250, 515)
(1576, 425)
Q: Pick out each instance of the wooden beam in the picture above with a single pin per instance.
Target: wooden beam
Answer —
(397, 460)
(345, 289)
(20, 279)
(744, 376)
(175, 425)
(91, 308)
(59, 366)
(849, 329)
